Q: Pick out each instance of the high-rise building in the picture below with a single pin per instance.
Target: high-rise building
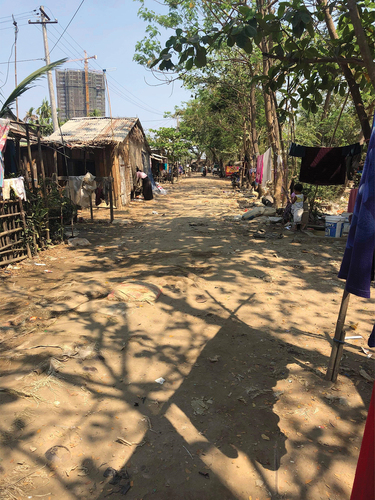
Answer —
(71, 93)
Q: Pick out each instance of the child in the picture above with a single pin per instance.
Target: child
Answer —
(297, 207)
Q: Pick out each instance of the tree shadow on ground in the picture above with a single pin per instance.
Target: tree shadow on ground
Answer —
(234, 436)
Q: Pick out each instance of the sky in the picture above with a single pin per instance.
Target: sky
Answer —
(109, 30)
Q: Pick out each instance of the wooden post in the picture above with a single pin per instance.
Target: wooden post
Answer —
(55, 162)
(34, 181)
(91, 212)
(44, 183)
(111, 199)
(338, 340)
(23, 218)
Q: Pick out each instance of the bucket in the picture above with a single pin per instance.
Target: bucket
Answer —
(333, 226)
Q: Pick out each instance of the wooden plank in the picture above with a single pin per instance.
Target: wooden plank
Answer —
(10, 215)
(11, 261)
(338, 340)
(14, 250)
(17, 242)
(11, 231)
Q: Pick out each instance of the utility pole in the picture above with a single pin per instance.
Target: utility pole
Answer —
(15, 58)
(44, 21)
(87, 85)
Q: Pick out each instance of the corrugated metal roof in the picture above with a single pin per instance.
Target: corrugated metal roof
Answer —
(93, 130)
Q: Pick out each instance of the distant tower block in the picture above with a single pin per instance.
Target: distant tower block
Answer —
(71, 93)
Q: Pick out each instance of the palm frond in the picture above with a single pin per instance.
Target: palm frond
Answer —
(26, 85)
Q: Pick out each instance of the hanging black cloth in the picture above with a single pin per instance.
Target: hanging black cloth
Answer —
(326, 166)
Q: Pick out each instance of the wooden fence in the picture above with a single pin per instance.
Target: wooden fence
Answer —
(13, 243)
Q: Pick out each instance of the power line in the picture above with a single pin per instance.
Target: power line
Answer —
(21, 14)
(26, 60)
(118, 83)
(74, 15)
(11, 52)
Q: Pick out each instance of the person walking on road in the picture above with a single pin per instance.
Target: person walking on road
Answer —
(146, 185)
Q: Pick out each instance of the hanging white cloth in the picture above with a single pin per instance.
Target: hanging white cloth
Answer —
(18, 187)
(267, 167)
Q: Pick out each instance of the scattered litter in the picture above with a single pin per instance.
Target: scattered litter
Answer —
(57, 454)
(354, 326)
(48, 271)
(32, 449)
(366, 351)
(122, 222)
(254, 392)
(124, 489)
(154, 212)
(205, 474)
(199, 406)
(237, 217)
(214, 359)
(354, 337)
(188, 451)
(110, 471)
(259, 483)
(39, 264)
(275, 219)
(242, 399)
(201, 299)
(265, 437)
(160, 380)
(135, 291)
(78, 242)
(129, 443)
(87, 352)
(365, 375)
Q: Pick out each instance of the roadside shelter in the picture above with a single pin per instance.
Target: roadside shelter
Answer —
(105, 147)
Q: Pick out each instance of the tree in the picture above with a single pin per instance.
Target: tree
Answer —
(30, 116)
(293, 40)
(25, 85)
(169, 140)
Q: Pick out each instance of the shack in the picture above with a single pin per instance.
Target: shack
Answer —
(105, 147)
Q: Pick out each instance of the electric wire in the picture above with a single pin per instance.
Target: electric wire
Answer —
(74, 15)
(118, 83)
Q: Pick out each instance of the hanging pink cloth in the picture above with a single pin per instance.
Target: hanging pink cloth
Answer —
(352, 198)
(259, 173)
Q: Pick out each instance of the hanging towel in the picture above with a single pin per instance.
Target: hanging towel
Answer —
(4, 129)
(364, 484)
(357, 265)
(297, 150)
(323, 167)
(259, 172)
(18, 187)
(352, 198)
(267, 167)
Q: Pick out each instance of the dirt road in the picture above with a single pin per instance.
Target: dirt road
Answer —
(241, 335)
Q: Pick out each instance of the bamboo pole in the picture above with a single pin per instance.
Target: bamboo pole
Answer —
(23, 218)
(338, 340)
(45, 194)
(111, 199)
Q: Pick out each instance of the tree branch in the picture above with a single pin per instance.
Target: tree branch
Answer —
(315, 60)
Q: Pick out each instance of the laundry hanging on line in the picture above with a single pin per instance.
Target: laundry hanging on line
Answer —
(358, 263)
(326, 166)
(4, 130)
(264, 168)
(18, 186)
(80, 188)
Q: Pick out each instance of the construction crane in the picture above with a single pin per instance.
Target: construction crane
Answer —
(86, 78)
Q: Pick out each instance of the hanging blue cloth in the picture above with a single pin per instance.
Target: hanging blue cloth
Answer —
(357, 265)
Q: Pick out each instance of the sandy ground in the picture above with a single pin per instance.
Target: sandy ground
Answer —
(241, 334)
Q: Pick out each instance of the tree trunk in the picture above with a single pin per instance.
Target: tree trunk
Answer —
(361, 39)
(320, 135)
(353, 86)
